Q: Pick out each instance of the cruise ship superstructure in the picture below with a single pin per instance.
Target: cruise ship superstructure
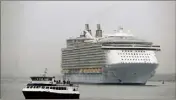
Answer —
(118, 58)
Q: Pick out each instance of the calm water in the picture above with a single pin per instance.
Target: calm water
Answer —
(11, 90)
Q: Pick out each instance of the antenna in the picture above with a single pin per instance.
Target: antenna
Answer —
(45, 72)
(120, 29)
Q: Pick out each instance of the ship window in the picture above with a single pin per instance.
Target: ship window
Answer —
(61, 88)
(54, 87)
(64, 88)
(47, 87)
(43, 87)
(57, 88)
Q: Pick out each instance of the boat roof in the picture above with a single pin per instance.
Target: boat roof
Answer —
(40, 84)
(42, 77)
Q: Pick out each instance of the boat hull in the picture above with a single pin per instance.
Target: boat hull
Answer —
(127, 74)
(48, 95)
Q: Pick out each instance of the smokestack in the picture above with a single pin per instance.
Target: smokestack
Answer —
(98, 27)
(87, 28)
(98, 31)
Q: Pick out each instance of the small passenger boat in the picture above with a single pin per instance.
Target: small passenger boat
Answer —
(46, 87)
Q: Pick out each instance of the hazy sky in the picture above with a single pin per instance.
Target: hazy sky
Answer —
(33, 33)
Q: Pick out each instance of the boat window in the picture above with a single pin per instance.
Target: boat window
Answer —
(60, 88)
(54, 87)
(43, 87)
(65, 88)
(47, 87)
(57, 88)
(27, 86)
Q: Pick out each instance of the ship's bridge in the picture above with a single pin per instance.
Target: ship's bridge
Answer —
(122, 38)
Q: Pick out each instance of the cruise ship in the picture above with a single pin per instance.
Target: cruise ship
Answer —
(118, 58)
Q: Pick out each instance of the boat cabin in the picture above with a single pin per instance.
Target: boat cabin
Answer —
(42, 79)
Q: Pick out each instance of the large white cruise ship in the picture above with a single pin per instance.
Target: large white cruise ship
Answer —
(119, 58)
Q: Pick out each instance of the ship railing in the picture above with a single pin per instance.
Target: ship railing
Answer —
(140, 48)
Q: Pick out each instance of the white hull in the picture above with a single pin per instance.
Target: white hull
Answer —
(132, 73)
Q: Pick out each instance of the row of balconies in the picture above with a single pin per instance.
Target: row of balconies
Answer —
(84, 59)
(82, 50)
(83, 53)
(83, 56)
(83, 64)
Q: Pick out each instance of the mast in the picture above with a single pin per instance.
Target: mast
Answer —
(45, 72)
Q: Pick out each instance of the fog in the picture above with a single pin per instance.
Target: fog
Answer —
(33, 32)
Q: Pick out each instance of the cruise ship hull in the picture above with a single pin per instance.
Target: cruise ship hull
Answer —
(128, 73)
(48, 95)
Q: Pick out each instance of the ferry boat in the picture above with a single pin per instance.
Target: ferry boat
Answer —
(46, 87)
